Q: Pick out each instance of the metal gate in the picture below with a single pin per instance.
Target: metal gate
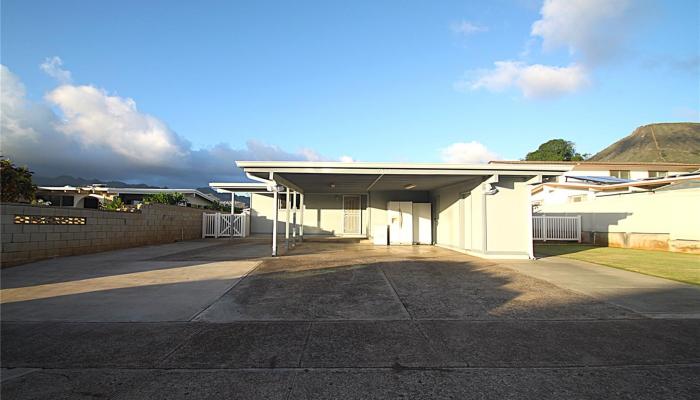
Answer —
(556, 228)
(224, 225)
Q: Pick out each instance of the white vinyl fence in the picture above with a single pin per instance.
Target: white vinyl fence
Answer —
(547, 227)
(224, 225)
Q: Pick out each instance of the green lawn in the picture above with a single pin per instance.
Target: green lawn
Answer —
(677, 266)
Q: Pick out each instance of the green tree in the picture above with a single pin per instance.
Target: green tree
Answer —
(114, 205)
(17, 182)
(555, 150)
(164, 198)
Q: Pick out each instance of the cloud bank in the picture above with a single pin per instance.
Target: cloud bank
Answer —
(98, 135)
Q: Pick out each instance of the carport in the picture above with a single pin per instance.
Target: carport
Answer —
(480, 209)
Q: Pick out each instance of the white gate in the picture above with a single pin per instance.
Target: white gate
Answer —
(556, 228)
(224, 225)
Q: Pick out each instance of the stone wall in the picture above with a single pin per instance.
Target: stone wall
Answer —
(63, 231)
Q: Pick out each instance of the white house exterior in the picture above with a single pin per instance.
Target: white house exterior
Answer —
(479, 209)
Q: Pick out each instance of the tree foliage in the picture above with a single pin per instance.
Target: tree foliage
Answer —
(17, 182)
(115, 205)
(555, 150)
(164, 198)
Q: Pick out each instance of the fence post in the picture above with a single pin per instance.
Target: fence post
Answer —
(578, 234)
(217, 224)
(544, 228)
(204, 225)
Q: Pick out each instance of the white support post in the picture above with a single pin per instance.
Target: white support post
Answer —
(286, 226)
(217, 225)
(294, 218)
(204, 225)
(233, 202)
(301, 221)
(580, 228)
(274, 223)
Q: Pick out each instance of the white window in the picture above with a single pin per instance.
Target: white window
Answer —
(620, 173)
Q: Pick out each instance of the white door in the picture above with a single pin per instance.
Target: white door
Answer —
(400, 215)
(351, 215)
(422, 224)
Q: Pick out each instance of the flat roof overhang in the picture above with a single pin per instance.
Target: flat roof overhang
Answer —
(232, 187)
(361, 177)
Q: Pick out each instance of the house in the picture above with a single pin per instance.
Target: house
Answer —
(634, 210)
(584, 178)
(480, 209)
(92, 196)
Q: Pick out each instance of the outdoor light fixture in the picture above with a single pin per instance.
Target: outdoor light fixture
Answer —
(409, 186)
(332, 185)
(492, 190)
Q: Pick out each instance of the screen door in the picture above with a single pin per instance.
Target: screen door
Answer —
(352, 214)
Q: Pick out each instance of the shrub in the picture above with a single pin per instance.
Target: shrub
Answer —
(115, 205)
(164, 198)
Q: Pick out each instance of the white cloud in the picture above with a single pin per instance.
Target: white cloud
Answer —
(467, 153)
(346, 159)
(595, 29)
(467, 28)
(98, 135)
(97, 120)
(52, 66)
(534, 81)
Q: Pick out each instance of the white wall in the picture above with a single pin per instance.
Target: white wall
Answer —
(673, 212)
(323, 214)
(492, 225)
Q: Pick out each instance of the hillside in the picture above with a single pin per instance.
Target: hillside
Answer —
(666, 142)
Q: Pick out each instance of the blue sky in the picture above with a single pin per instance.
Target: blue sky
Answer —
(198, 84)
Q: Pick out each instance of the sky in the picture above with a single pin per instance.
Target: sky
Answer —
(173, 92)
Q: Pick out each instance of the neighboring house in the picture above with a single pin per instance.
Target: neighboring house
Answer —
(92, 196)
(635, 209)
(480, 209)
(621, 170)
(585, 178)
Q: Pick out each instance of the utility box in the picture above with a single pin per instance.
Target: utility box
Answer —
(380, 235)
(422, 223)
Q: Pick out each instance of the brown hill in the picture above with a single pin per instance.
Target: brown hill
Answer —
(666, 142)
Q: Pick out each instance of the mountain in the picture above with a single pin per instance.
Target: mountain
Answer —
(665, 142)
(64, 180)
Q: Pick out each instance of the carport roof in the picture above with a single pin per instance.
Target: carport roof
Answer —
(355, 177)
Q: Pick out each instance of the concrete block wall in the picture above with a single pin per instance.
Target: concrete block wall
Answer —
(103, 230)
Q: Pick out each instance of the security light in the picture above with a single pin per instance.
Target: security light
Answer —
(409, 186)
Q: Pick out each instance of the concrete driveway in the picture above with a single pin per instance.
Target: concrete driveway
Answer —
(332, 319)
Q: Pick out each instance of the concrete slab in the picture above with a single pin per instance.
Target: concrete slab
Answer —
(87, 345)
(352, 292)
(119, 290)
(678, 382)
(242, 345)
(647, 295)
(355, 344)
(455, 287)
(337, 320)
(566, 343)
(69, 384)
(210, 384)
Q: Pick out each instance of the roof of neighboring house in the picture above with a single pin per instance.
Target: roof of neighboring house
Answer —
(645, 184)
(575, 164)
(111, 190)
